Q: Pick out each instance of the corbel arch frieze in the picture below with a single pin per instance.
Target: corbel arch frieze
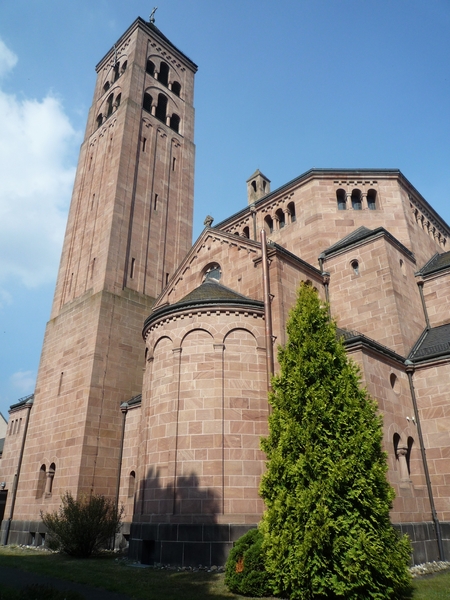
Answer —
(252, 330)
(153, 343)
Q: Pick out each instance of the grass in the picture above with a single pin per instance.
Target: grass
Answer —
(117, 576)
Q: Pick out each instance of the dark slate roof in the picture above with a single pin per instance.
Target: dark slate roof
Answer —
(22, 402)
(438, 262)
(363, 233)
(355, 236)
(2, 443)
(135, 400)
(351, 338)
(433, 342)
(212, 290)
(289, 254)
(209, 293)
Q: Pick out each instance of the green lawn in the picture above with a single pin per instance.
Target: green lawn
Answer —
(118, 576)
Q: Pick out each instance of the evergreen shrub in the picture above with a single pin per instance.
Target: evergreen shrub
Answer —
(245, 573)
(84, 526)
(327, 532)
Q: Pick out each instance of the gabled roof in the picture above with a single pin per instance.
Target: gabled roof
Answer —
(355, 236)
(438, 262)
(207, 233)
(353, 339)
(433, 343)
(362, 234)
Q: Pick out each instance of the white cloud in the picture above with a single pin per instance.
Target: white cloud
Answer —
(35, 183)
(23, 381)
(7, 59)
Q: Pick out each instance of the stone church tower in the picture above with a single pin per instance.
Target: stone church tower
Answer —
(129, 226)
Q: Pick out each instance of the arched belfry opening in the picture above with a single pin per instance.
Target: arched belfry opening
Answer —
(258, 185)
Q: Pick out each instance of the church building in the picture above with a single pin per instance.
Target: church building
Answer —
(158, 355)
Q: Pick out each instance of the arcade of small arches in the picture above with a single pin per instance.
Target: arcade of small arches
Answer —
(114, 98)
(280, 218)
(112, 104)
(118, 70)
(164, 76)
(158, 109)
(356, 200)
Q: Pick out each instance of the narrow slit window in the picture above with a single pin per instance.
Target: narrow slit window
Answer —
(167, 278)
(144, 143)
(174, 162)
(155, 202)
(60, 382)
(133, 263)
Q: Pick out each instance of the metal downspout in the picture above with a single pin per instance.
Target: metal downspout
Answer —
(5, 535)
(410, 370)
(267, 311)
(124, 409)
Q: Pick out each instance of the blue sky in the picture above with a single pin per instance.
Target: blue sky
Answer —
(282, 87)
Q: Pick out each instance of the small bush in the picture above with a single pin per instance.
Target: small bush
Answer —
(83, 527)
(244, 572)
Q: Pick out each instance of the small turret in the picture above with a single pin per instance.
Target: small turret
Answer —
(257, 186)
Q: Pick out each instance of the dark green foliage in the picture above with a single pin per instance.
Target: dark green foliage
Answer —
(83, 527)
(245, 573)
(326, 530)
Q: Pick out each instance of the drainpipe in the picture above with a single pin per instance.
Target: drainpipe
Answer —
(326, 283)
(124, 409)
(5, 535)
(267, 311)
(410, 371)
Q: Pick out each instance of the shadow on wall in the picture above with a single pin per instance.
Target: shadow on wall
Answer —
(176, 523)
(181, 497)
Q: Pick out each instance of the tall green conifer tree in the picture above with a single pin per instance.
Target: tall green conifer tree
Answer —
(326, 529)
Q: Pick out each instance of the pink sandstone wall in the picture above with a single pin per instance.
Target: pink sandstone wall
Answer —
(204, 410)
(380, 302)
(431, 383)
(436, 291)
(411, 502)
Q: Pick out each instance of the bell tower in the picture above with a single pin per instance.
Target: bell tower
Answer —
(129, 225)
